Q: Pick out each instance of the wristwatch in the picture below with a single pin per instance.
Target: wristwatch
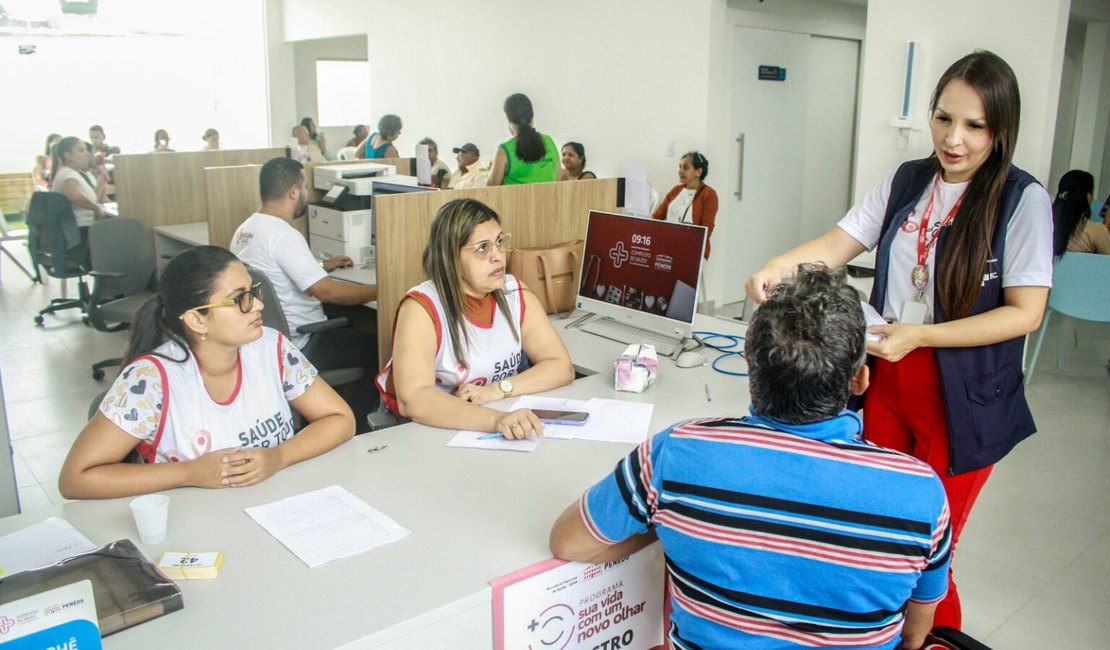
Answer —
(506, 387)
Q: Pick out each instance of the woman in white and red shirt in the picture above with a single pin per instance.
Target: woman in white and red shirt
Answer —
(459, 337)
(205, 395)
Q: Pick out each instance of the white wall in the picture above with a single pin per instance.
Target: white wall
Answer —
(634, 78)
(1028, 34)
(305, 56)
(134, 84)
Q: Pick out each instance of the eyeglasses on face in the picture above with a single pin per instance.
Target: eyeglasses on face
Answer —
(244, 299)
(482, 249)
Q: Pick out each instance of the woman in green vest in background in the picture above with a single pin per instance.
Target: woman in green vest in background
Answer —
(530, 156)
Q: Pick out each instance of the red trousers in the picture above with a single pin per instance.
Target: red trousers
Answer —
(905, 411)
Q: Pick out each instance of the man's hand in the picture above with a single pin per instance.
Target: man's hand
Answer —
(336, 262)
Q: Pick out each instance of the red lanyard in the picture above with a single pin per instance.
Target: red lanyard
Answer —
(923, 247)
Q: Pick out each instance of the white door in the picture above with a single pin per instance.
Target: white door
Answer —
(790, 169)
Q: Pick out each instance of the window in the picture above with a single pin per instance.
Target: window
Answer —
(342, 92)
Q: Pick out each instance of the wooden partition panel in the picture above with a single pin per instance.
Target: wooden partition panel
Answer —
(232, 196)
(15, 191)
(162, 189)
(537, 215)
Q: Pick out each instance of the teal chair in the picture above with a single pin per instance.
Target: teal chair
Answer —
(1079, 290)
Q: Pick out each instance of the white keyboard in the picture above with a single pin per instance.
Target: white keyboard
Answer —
(617, 331)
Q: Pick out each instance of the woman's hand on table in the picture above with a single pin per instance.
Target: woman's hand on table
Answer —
(249, 466)
(478, 395)
(519, 424)
(207, 470)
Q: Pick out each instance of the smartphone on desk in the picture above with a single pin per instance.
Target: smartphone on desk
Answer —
(573, 418)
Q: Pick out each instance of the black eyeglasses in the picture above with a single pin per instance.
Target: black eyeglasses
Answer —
(245, 300)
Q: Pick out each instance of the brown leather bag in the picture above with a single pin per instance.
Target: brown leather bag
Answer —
(551, 273)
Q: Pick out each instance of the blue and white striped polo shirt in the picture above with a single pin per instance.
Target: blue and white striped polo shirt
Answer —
(781, 536)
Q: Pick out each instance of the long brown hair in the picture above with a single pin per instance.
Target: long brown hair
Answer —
(452, 226)
(961, 262)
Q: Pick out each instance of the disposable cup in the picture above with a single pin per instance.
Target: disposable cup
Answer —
(151, 514)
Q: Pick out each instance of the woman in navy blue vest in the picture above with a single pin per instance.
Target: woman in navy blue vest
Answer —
(963, 264)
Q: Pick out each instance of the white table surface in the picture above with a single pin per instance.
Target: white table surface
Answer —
(193, 234)
(475, 515)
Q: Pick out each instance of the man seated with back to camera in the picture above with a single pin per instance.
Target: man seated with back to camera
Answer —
(267, 241)
(783, 528)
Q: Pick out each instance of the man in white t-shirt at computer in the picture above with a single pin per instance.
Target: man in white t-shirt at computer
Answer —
(268, 242)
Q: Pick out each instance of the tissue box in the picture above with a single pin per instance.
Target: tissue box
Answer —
(636, 368)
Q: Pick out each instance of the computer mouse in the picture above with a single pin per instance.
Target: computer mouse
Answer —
(690, 359)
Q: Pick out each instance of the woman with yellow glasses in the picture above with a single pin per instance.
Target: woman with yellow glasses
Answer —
(460, 337)
(205, 393)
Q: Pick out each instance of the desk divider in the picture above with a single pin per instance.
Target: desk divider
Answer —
(540, 214)
(232, 197)
(168, 188)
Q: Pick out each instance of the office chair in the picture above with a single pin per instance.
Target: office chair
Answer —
(273, 316)
(122, 271)
(55, 243)
(7, 235)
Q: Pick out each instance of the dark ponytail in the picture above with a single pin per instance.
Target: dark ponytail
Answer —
(529, 143)
(187, 281)
(1070, 208)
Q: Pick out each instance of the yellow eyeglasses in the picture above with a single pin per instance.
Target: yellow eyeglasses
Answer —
(244, 299)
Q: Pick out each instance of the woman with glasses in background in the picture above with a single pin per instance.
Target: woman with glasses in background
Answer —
(691, 201)
(204, 394)
(460, 337)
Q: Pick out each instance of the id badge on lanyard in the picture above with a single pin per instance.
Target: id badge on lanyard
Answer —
(914, 310)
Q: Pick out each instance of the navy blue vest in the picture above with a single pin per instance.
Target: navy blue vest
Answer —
(983, 386)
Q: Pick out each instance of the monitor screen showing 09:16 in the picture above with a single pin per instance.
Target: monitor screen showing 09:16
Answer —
(640, 265)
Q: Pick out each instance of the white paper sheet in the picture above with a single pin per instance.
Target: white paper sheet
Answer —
(326, 525)
(474, 440)
(611, 420)
(42, 544)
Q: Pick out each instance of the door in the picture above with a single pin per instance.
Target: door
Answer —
(790, 169)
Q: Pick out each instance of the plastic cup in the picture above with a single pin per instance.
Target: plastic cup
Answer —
(151, 514)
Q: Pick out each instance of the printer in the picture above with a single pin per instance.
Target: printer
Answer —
(356, 178)
(342, 224)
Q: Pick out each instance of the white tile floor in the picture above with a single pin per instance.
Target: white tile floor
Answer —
(1033, 565)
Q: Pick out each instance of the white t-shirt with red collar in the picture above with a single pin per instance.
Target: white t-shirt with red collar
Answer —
(166, 406)
(493, 353)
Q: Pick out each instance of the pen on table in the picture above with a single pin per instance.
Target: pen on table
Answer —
(489, 436)
(708, 398)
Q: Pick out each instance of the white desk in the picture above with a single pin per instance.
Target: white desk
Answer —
(358, 274)
(366, 273)
(171, 240)
(474, 515)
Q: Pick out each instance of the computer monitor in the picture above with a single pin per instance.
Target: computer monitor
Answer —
(641, 271)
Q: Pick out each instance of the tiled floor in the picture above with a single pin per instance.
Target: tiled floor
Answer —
(1033, 565)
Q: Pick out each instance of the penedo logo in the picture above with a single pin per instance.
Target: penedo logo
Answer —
(618, 254)
(6, 624)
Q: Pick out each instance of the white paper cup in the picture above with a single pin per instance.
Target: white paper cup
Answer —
(151, 514)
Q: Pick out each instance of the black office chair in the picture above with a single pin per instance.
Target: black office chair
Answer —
(123, 272)
(273, 316)
(56, 244)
